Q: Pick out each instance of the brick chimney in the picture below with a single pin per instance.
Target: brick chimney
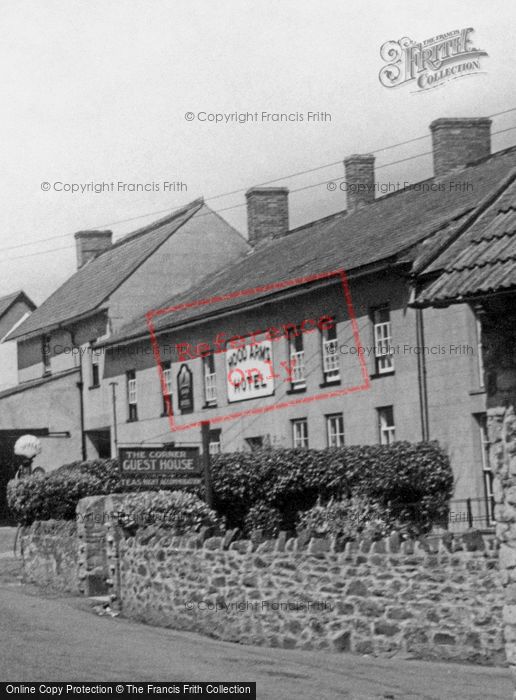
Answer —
(458, 142)
(89, 244)
(359, 170)
(267, 213)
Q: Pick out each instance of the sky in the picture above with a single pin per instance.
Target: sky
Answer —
(97, 92)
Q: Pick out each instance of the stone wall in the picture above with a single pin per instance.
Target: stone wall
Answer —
(502, 437)
(50, 554)
(382, 598)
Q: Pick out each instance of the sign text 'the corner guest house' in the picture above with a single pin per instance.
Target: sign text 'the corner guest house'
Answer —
(160, 467)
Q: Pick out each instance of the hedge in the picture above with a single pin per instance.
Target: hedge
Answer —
(413, 480)
(174, 511)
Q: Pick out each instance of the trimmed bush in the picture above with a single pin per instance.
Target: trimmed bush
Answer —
(53, 496)
(177, 511)
(413, 481)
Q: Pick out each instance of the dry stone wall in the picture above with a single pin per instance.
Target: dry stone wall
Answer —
(50, 555)
(383, 598)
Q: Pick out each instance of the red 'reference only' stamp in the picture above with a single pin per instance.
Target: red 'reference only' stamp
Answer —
(249, 365)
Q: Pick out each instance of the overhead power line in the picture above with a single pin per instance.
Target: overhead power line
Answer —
(244, 189)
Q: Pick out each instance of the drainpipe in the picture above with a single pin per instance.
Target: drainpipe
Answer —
(421, 375)
(80, 386)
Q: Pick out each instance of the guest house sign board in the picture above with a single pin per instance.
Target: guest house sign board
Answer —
(160, 467)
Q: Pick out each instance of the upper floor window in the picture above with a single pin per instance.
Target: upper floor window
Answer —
(94, 368)
(167, 387)
(383, 340)
(335, 430)
(210, 380)
(297, 358)
(331, 365)
(45, 353)
(300, 432)
(132, 408)
(386, 425)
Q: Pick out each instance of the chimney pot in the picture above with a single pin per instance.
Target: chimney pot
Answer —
(267, 213)
(458, 142)
(90, 244)
(359, 170)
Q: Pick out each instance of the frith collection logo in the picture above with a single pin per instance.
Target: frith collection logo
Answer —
(432, 62)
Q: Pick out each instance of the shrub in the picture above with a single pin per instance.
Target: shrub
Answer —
(414, 481)
(264, 517)
(53, 496)
(177, 511)
(346, 519)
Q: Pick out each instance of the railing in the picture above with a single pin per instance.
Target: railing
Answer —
(297, 363)
(210, 387)
(330, 360)
(463, 513)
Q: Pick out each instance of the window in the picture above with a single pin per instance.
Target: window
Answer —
(255, 442)
(335, 430)
(214, 442)
(167, 387)
(210, 380)
(486, 470)
(386, 425)
(95, 382)
(331, 365)
(297, 358)
(300, 432)
(383, 340)
(95, 368)
(45, 353)
(132, 409)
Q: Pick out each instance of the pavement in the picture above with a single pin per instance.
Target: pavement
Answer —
(50, 638)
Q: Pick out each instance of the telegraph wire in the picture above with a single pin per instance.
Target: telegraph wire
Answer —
(244, 189)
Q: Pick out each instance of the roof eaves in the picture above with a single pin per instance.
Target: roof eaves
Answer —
(370, 268)
(477, 212)
(35, 383)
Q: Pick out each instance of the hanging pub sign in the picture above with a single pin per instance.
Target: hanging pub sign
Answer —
(160, 467)
(249, 372)
(185, 389)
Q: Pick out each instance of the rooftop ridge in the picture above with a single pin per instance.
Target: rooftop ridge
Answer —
(148, 228)
(387, 195)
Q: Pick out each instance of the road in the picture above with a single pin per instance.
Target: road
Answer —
(50, 639)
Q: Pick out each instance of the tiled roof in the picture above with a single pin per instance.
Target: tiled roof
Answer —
(393, 227)
(91, 285)
(483, 258)
(7, 301)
